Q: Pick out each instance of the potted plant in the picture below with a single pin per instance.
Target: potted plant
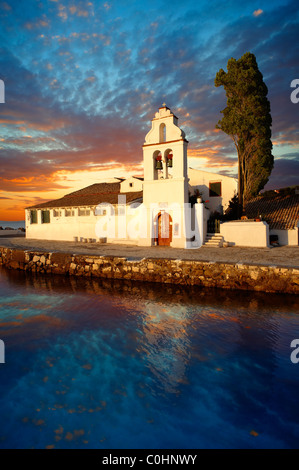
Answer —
(198, 196)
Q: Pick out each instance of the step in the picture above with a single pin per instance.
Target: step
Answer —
(214, 240)
(214, 237)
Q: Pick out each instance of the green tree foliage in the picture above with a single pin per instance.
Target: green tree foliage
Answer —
(233, 210)
(247, 120)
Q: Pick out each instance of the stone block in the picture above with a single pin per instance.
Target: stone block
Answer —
(18, 255)
(14, 264)
(61, 259)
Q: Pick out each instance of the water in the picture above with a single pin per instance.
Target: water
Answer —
(103, 364)
(13, 224)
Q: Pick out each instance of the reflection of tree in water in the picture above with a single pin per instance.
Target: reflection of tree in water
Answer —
(166, 344)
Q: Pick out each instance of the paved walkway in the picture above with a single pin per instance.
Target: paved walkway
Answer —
(287, 256)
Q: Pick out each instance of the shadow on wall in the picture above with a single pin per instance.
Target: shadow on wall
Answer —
(211, 196)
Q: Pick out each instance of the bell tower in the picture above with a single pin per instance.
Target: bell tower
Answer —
(165, 148)
(166, 177)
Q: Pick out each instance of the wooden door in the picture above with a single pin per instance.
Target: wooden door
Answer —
(164, 229)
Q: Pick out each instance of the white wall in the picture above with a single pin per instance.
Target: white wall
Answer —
(201, 180)
(136, 183)
(111, 225)
(245, 233)
(201, 218)
(167, 189)
(62, 228)
(286, 237)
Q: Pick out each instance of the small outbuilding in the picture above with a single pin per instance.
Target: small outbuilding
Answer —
(281, 212)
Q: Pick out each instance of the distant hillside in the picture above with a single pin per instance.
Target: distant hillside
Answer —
(289, 191)
(15, 224)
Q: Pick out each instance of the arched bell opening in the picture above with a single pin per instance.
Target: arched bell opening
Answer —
(158, 164)
(168, 159)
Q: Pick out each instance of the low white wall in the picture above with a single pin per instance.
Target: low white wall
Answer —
(286, 237)
(245, 233)
(6, 233)
(65, 231)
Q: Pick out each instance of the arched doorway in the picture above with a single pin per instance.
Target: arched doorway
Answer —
(163, 225)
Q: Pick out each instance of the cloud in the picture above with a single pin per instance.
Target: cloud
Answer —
(5, 6)
(83, 13)
(258, 12)
(39, 23)
(285, 172)
(62, 12)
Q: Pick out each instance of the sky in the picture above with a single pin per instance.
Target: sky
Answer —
(83, 79)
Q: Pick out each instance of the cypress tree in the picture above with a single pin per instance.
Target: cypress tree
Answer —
(247, 120)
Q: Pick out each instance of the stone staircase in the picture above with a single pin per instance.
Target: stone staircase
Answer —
(213, 240)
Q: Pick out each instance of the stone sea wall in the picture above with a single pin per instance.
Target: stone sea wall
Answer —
(169, 271)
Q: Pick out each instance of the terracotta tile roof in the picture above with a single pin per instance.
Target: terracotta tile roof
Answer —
(280, 212)
(91, 196)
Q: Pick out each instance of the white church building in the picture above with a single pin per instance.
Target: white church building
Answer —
(148, 211)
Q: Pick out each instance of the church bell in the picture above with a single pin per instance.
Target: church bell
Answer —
(159, 165)
(169, 160)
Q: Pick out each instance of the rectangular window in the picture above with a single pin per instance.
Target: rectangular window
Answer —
(69, 212)
(215, 189)
(33, 217)
(83, 212)
(56, 213)
(46, 217)
(99, 210)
